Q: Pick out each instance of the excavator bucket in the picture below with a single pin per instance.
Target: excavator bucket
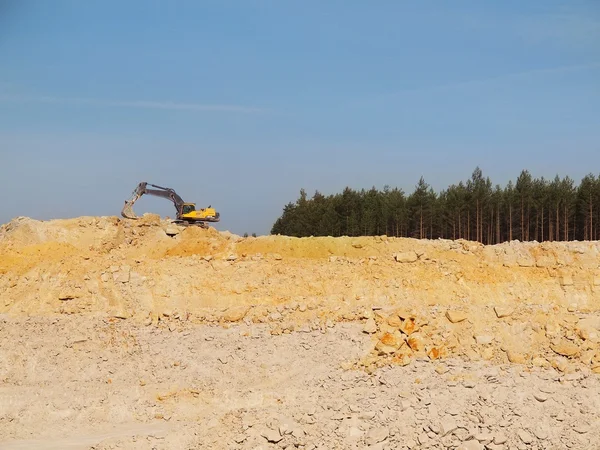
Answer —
(127, 211)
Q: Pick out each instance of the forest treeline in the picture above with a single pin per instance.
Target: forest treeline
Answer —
(526, 209)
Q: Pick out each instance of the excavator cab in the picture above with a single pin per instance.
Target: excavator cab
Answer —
(188, 208)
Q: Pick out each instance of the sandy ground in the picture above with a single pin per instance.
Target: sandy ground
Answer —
(120, 334)
(75, 383)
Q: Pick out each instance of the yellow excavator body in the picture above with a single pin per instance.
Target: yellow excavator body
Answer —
(190, 213)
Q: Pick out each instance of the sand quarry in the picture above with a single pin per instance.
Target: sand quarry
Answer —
(142, 335)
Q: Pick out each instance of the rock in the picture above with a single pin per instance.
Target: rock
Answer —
(516, 357)
(582, 428)
(503, 311)
(525, 436)
(370, 326)
(416, 342)
(232, 257)
(447, 425)
(404, 314)
(470, 445)
(375, 435)
(588, 334)
(441, 370)
(172, 230)
(424, 439)
(409, 326)
(540, 362)
(235, 313)
(484, 339)
(500, 439)
(405, 404)
(120, 314)
(354, 433)
(394, 321)
(487, 353)
(69, 295)
(436, 353)
(552, 330)
(484, 437)
(455, 316)
(389, 343)
(272, 435)
(123, 275)
(561, 364)
(276, 316)
(541, 433)
(541, 396)
(287, 426)
(492, 446)
(589, 329)
(565, 348)
(406, 257)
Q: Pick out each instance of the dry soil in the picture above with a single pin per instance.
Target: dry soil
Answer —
(139, 334)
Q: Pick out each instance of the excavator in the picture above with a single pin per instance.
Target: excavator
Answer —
(186, 212)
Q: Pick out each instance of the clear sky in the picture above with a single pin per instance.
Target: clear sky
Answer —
(240, 104)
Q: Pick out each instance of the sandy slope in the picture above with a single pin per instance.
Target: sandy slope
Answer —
(138, 334)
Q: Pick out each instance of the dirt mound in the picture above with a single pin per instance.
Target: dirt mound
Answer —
(526, 303)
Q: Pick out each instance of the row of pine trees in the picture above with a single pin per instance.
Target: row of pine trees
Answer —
(527, 209)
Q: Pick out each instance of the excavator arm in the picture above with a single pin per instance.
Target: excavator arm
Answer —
(142, 189)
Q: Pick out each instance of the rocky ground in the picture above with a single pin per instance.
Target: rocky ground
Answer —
(138, 334)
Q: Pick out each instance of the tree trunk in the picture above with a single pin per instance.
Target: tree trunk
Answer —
(421, 225)
(468, 225)
(522, 220)
(510, 235)
(454, 228)
(542, 224)
(477, 220)
(528, 218)
(490, 226)
(566, 224)
(557, 222)
(591, 215)
(498, 224)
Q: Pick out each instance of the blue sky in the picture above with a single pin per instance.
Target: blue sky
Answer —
(240, 104)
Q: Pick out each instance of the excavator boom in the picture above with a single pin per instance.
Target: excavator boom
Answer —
(186, 212)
